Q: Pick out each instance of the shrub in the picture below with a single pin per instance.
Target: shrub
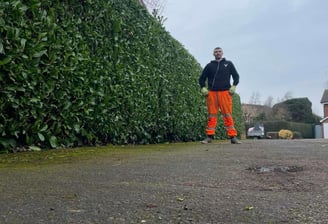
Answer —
(285, 134)
(297, 135)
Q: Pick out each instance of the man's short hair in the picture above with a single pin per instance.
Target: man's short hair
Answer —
(218, 48)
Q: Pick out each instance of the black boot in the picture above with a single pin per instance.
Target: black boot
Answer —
(235, 140)
(208, 139)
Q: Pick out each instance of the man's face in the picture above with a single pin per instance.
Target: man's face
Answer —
(218, 53)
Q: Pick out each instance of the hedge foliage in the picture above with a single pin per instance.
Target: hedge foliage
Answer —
(296, 110)
(306, 130)
(94, 72)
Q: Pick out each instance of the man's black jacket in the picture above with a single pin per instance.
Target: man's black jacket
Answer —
(218, 74)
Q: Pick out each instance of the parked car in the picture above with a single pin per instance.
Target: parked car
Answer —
(256, 132)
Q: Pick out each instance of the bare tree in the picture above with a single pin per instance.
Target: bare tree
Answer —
(278, 100)
(269, 101)
(255, 98)
(288, 95)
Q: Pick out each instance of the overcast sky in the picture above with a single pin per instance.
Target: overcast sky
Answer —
(277, 46)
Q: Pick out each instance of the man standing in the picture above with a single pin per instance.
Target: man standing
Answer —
(219, 94)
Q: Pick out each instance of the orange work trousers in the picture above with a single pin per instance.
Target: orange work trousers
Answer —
(220, 101)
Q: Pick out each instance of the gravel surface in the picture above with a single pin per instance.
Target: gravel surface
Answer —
(259, 181)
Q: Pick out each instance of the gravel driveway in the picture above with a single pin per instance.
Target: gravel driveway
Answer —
(259, 181)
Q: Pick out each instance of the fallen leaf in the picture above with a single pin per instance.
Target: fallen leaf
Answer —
(249, 208)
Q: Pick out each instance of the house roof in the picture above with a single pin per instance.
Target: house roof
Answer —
(324, 98)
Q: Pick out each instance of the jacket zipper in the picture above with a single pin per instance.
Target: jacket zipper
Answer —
(217, 69)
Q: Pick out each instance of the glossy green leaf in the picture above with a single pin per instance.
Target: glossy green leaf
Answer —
(41, 137)
(53, 142)
(39, 54)
(2, 50)
(6, 60)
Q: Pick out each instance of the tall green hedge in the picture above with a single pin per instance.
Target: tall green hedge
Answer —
(93, 72)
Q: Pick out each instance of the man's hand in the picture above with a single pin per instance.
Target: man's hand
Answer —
(204, 91)
(232, 90)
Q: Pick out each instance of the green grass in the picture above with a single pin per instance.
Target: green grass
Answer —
(71, 155)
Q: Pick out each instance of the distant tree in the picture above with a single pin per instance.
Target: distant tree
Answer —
(280, 111)
(288, 95)
(278, 100)
(269, 101)
(247, 117)
(261, 117)
(296, 110)
(255, 98)
(254, 113)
